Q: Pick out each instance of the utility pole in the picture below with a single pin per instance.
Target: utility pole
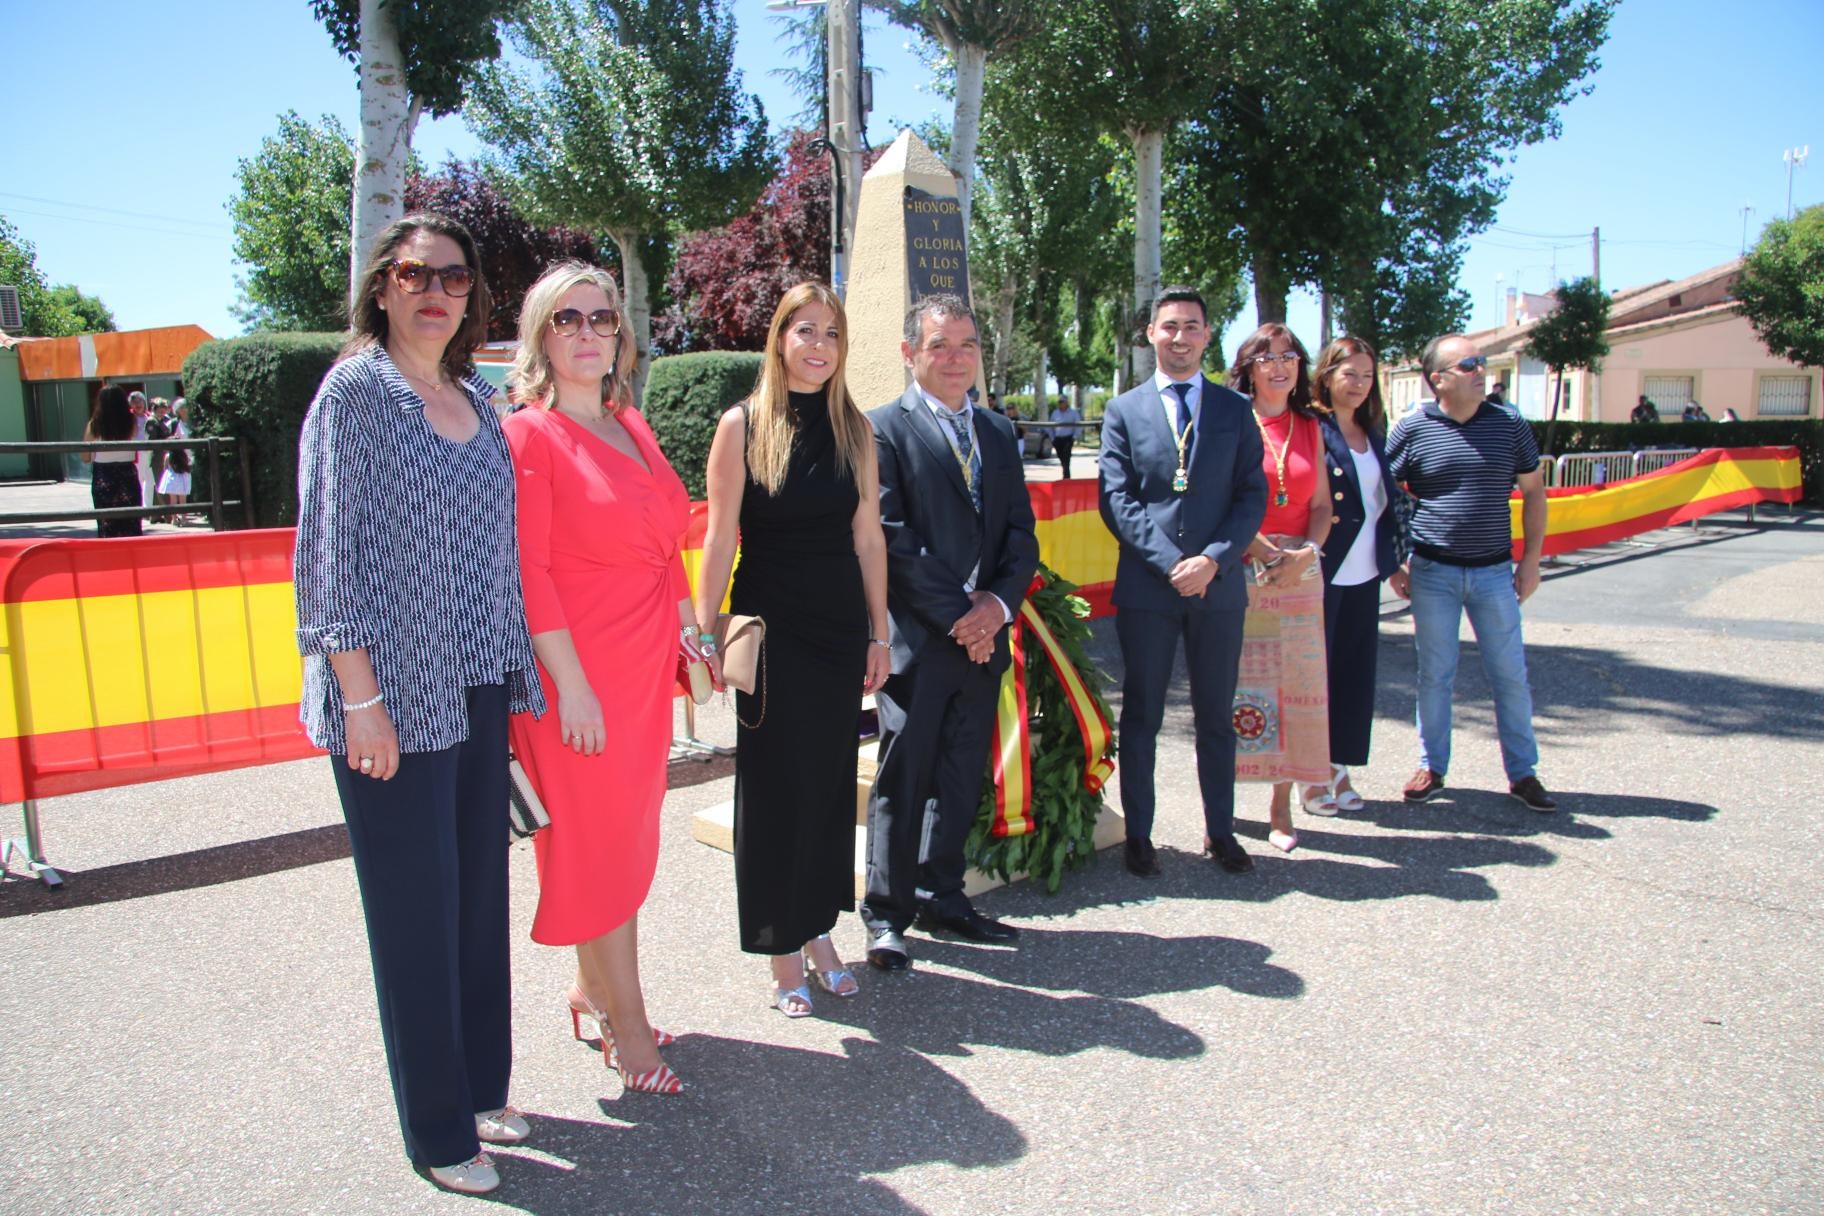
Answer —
(1747, 210)
(1795, 159)
(1596, 255)
(847, 133)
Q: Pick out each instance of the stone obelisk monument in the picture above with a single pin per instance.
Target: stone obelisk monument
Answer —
(909, 243)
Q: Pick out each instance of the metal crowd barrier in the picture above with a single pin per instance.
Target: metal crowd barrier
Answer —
(1600, 468)
(211, 460)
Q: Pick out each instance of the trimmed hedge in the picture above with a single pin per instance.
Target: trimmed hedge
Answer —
(1807, 434)
(1095, 402)
(258, 389)
(686, 395)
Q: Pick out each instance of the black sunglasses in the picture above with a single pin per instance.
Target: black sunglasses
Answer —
(604, 321)
(1471, 363)
(414, 277)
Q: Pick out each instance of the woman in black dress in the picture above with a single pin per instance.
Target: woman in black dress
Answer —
(792, 473)
(113, 476)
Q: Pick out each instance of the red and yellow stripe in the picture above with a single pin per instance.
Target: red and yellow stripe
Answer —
(1716, 479)
(138, 660)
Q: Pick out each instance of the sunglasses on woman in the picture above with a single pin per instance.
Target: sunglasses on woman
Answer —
(414, 277)
(604, 321)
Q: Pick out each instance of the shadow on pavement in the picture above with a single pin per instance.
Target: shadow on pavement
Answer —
(762, 1128)
(933, 1013)
(20, 896)
(1121, 965)
(1494, 813)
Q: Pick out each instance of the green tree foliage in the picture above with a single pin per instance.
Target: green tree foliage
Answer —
(442, 42)
(94, 316)
(44, 312)
(1571, 335)
(514, 251)
(291, 232)
(632, 124)
(1356, 147)
(1782, 287)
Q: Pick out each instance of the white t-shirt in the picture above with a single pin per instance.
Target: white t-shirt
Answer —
(1065, 415)
(1359, 564)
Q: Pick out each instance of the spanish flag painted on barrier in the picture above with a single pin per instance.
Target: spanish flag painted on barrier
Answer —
(141, 659)
(133, 660)
(1716, 479)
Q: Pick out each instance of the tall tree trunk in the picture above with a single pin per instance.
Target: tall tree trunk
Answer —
(387, 119)
(1270, 288)
(639, 305)
(1551, 423)
(1004, 304)
(1084, 328)
(1039, 412)
(966, 127)
(1149, 166)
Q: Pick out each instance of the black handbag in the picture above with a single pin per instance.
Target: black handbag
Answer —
(526, 814)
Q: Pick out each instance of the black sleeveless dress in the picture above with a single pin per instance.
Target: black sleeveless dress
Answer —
(795, 769)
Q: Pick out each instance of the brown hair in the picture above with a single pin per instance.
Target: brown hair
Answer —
(369, 326)
(531, 375)
(770, 426)
(1260, 342)
(1371, 414)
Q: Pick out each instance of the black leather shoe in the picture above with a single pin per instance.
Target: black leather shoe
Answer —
(970, 926)
(1229, 854)
(888, 951)
(1141, 859)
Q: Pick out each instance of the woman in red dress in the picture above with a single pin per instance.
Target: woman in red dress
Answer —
(1282, 658)
(601, 520)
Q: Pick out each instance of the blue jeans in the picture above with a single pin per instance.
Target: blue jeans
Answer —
(1441, 594)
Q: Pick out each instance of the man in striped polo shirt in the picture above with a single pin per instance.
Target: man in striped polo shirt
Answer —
(1461, 457)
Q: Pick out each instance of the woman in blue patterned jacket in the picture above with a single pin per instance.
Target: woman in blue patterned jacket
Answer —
(415, 650)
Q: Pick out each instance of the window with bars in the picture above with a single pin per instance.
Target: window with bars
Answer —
(1669, 394)
(1785, 397)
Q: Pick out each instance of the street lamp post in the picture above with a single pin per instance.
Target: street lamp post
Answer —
(844, 107)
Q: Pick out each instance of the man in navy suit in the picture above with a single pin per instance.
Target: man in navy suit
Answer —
(1183, 488)
(961, 551)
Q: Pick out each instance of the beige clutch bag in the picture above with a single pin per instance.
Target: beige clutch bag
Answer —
(739, 640)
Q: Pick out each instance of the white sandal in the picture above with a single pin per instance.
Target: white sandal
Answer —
(1321, 802)
(1344, 800)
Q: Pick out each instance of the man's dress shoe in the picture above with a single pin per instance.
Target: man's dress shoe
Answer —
(1141, 859)
(1228, 853)
(888, 951)
(970, 926)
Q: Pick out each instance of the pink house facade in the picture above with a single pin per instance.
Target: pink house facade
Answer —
(1673, 342)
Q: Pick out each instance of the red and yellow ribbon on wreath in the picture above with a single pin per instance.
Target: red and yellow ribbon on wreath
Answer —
(1012, 725)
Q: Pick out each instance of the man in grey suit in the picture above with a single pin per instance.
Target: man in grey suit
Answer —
(1183, 489)
(960, 553)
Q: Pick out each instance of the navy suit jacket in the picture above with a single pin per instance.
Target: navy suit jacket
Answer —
(934, 536)
(1158, 527)
(1349, 513)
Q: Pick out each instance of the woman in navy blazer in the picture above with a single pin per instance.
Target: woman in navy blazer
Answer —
(1365, 546)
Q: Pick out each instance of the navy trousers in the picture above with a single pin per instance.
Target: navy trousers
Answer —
(430, 850)
(1212, 652)
(1352, 643)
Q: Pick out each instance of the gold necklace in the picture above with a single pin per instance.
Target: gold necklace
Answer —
(1281, 498)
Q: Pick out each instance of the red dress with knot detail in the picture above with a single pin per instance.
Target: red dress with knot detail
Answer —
(599, 551)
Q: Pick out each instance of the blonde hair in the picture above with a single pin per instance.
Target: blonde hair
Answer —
(770, 427)
(531, 377)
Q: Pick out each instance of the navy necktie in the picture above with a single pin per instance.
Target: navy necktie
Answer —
(1184, 406)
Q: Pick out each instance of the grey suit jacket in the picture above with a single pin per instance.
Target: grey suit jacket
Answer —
(934, 536)
(1157, 527)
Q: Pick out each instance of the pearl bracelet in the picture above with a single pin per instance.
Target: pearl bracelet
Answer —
(367, 704)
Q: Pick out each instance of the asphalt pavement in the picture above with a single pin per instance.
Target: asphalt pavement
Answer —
(1463, 1007)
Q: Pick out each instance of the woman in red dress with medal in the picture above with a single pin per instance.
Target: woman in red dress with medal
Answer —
(1282, 683)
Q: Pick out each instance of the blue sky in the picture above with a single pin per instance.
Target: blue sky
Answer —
(120, 154)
